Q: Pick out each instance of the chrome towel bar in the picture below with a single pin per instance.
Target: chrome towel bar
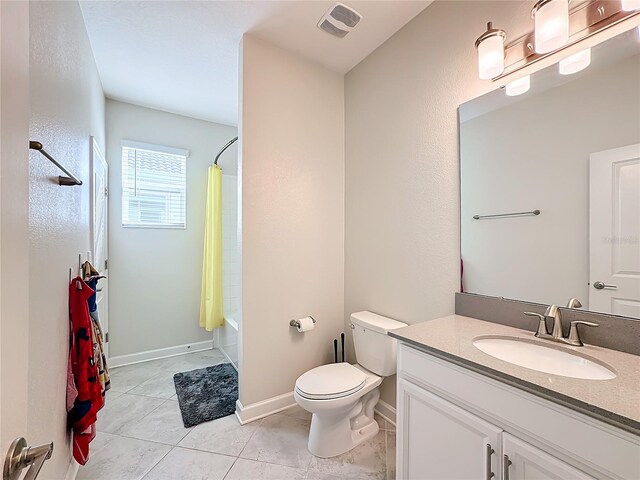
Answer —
(70, 179)
(515, 214)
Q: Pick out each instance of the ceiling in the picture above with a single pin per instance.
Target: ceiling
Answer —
(182, 56)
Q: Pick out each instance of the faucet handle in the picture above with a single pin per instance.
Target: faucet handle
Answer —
(574, 334)
(542, 325)
(574, 303)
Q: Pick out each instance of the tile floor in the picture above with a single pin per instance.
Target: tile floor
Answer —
(141, 436)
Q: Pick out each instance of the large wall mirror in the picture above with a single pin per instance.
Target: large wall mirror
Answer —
(550, 185)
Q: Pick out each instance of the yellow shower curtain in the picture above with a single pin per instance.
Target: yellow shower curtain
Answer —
(211, 315)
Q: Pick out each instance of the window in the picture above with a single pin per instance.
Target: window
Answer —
(154, 186)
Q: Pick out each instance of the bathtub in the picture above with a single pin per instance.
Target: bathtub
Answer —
(226, 339)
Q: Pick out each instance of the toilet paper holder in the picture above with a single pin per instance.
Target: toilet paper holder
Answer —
(296, 323)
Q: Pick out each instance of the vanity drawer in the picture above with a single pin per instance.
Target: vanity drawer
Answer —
(596, 447)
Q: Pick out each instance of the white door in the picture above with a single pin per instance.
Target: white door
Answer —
(99, 232)
(14, 224)
(439, 441)
(615, 231)
(525, 462)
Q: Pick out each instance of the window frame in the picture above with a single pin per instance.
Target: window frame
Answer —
(150, 147)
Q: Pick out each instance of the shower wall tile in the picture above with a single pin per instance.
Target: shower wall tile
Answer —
(231, 276)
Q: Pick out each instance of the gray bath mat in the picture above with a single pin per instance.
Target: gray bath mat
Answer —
(207, 393)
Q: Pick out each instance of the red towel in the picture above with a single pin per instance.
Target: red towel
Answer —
(89, 399)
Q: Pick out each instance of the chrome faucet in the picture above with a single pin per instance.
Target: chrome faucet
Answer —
(553, 311)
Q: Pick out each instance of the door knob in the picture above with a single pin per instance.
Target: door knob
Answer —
(600, 285)
(21, 456)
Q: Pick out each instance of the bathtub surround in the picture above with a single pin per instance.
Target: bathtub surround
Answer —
(153, 315)
(226, 338)
(231, 279)
(292, 166)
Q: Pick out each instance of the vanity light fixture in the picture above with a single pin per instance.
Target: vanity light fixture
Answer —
(556, 28)
(518, 87)
(490, 46)
(630, 5)
(551, 29)
(576, 62)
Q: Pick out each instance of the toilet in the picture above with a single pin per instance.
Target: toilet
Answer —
(340, 396)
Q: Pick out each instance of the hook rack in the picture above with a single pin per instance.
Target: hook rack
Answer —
(70, 179)
(79, 272)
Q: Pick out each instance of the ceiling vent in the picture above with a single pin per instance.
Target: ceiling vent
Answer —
(339, 20)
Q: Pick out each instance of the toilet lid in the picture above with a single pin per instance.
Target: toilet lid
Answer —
(330, 381)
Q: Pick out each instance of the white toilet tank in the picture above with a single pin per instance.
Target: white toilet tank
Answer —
(375, 350)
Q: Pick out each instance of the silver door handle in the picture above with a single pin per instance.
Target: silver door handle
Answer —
(490, 451)
(600, 285)
(20, 456)
(506, 463)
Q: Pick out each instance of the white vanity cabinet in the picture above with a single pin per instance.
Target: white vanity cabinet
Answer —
(523, 461)
(456, 424)
(442, 441)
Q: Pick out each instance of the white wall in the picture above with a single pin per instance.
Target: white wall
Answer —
(155, 274)
(548, 254)
(67, 106)
(402, 194)
(14, 221)
(292, 131)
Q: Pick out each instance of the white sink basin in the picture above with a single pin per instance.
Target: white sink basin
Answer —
(544, 358)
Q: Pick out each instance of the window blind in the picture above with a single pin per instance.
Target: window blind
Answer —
(154, 186)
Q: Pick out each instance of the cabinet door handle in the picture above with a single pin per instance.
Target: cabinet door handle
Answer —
(490, 451)
(505, 467)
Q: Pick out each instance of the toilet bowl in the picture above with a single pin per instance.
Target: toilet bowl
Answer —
(341, 397)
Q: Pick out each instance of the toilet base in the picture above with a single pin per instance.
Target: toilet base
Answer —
(335, 432)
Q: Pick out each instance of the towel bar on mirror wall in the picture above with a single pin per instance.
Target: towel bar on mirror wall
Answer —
(70, 179)
(515, 214)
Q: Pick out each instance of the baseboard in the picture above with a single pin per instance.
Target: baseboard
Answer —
(228, 358)
(386, 411)
(72, 472)
(121, 360)
(256, 411)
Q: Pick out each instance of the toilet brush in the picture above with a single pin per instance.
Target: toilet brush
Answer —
(342, 341)
(335, 350)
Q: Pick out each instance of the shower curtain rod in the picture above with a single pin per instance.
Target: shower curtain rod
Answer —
(229, 143)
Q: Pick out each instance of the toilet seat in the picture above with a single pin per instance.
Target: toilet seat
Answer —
(327, 382)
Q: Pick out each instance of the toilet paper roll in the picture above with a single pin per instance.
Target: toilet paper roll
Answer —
(305, 324)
